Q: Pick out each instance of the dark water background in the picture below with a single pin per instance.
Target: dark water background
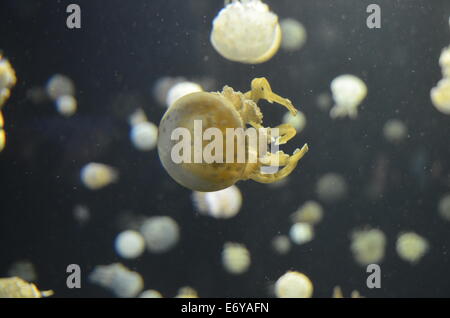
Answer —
(114, 60)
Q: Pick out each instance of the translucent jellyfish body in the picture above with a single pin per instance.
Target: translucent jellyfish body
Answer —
(187, 292)
(444, 62)
(440, 96)
(181, 89)
(15, 287)
(294, 34)
(298, 121)
(66, 105)
(444, 207)
(118, 279)
(144, 136)
(301, 233)
(395, 131)
(161, 233)
(310, 212)
(411, 247)
(368, 246)
(331, 187)
(2, 133)
(7, 79)
(235, 258)
(60, 85)
(293, 285)
(97, 175)
(129, 244)
(281, 244)
(222, 204)
(246, 31)
(150, 293)
(348, 92)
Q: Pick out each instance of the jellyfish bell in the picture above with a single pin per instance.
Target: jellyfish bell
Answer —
(348, 92)
(246, 31)
(293, 285)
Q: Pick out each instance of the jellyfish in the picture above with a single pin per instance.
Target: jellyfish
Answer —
(225, 115)
(15, 287)
(2, 133)
(298, 121)
(395, 131)
(150, 293)
(60, 85)
(7, 81)
(368, 246)
(294, 34)
(222, 204)
(187, 292)
(144, 135)
(118, 279)
(331, 187)
(129, 244)
(301, 233)
(310, 212)
(293, 285)
(246, 31)
(161, 233)
(444, 62)
(440, 96)
(181, 89)
(66, 105)
(23, 269)
(235, 258)
(411, 247)
(97, 175)
(444, 207)
(348, 93)
(281, 244)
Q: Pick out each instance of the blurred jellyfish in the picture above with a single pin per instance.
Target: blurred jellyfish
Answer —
(444, 62)
(444, 207)
(222, 204)
(7, 79)
(161, 233)
(187, 292)
(97, 175)
(368, 246)
(118, 279)
(137, 117)
(331, 187)
(395, 131)
(301, 233)
(411, 247)
(66, 105)
(324, 101)
(293, 34)
(348, 92)
(440, 96)
(60, 85)
(15, 287)
(310, 212)
(81, 213)
(293, 285)
(235, 258)
(37, 95)
(23, 269)
(150, 293)
(298, 121)
(246, 31)
(129, 244)
(162, 87)
(337, 293)
(181, 89)
(2, 133)
(281, 244)
(144, 136)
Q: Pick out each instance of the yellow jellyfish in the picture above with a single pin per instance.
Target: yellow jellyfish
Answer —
(444, 62)
(66, 105)
(187, 292)
(294, 34)
(150, 293)
(348, 93)
(235, 258)
(395, 131)
(97, 175)
(310, 212)
(368, 246)
(15, 287)
(222, 204)
(7, 81)
(440, 96)
(293, 285)
(232, 152)
(411, 247)
(246, 31)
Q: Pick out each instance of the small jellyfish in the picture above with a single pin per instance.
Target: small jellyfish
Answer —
(294, 34)
(7, 79)
(298, 121)
(222, 204)
(337, 293)
(81, 213)
(2, 133)
(395, 131)
(310, 212)
(444, 62)
(324, 101)
(162, 87)
(144, 136)
(235, 258)
(281, 244)
(331, 187)
(15, 287)
(97, 175)
(301, 233)
(161, 233)
(129, 244)
(60, 85)
(348, 93)
(293, 285)
(444, 207)
(118, 279)
(150, 293)
(187, 292)
(66, 105)
(23, 269)
(246, 31)
(440, 96)
(411, 247)
(368, 246)
(181, 89)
